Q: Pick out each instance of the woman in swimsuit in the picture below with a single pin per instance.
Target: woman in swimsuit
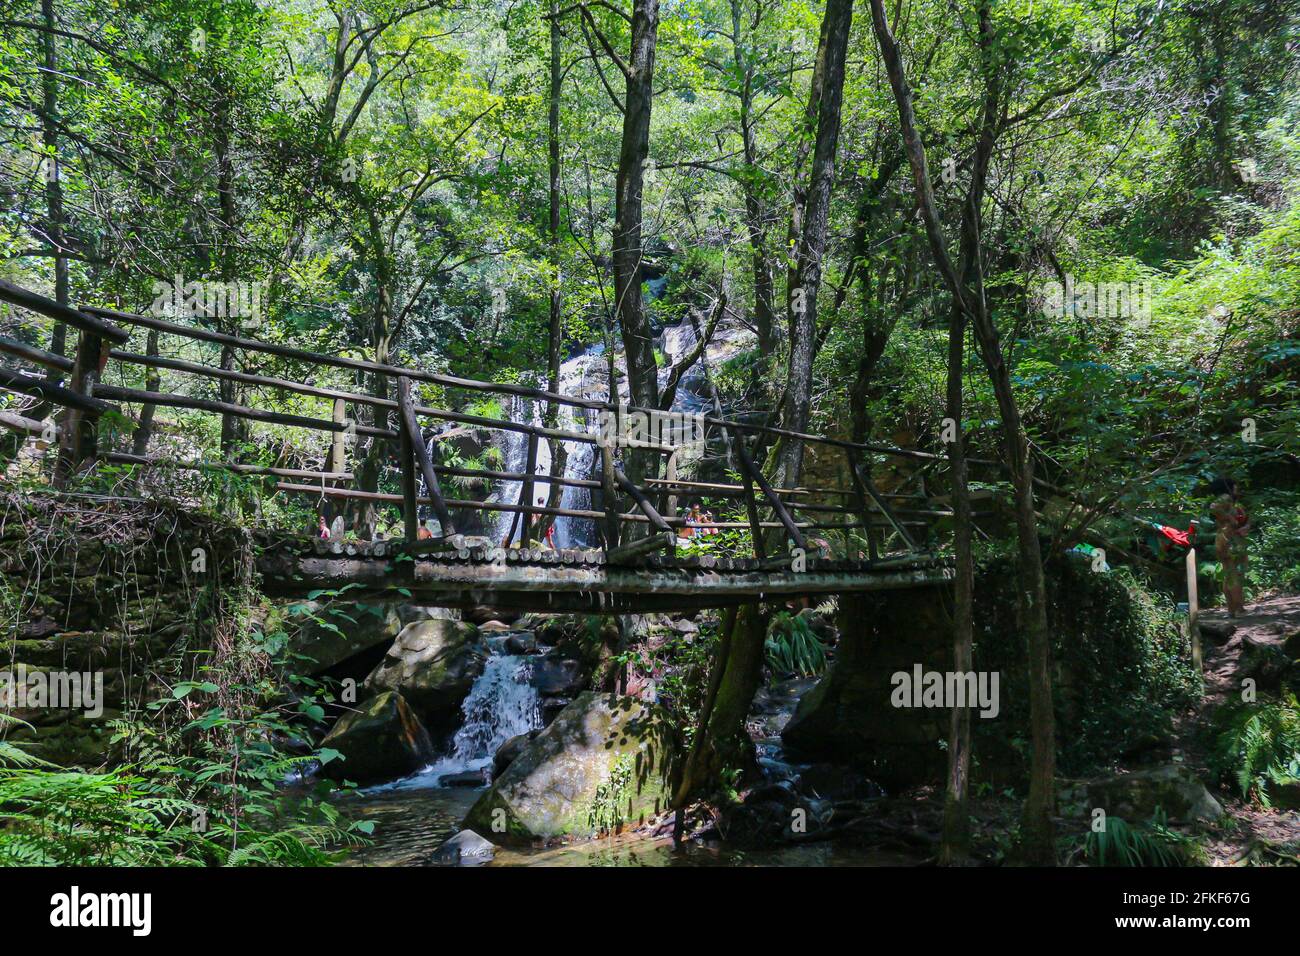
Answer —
(1231, 525)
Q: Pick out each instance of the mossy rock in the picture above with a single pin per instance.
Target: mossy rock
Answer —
(434, 664)
(381, 741)
(602, 765)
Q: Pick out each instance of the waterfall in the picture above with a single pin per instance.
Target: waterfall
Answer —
(581, 375)
(501, 704)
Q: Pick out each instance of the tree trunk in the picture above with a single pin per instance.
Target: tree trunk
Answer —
(555, 334)
(755, 206)
(720, 737)
(968, 293)
(805, 276)
(955, 847)
(638, 343)
(233, 432)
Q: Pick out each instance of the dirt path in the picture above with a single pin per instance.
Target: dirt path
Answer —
(1249, 834)
(1268, 622)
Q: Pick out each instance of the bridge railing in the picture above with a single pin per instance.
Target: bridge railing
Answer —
(391, 413)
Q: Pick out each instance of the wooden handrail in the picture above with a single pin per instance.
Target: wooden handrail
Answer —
(35, 302)
(15, 381)
(451, 381)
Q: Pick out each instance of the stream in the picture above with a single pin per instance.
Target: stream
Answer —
(414, 815)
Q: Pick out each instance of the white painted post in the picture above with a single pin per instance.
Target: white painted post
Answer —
(1193, 611)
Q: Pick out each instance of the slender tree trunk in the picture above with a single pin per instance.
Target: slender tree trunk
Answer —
(232, 428)
(806, 274)
(555, 335)
(1038, 845)
(720, 737)
(634, 324)
(955, 847)
(755, 205)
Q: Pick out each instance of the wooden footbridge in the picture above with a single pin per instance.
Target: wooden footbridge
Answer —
(637, 566)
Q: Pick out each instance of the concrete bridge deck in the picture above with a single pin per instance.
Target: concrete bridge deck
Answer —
(572, 580)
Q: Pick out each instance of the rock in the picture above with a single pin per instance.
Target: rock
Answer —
(552, 707)
(509, 751)
(466, 848)
(848, 717)
(558, 677)
(830, 782)
(348, 629)
(411, 613)
(490, 627)
(522, 642)
(603, 764)
(1217, 633)
(775, 812)
(482, 615)
(433, 663)
(1135, 796)
(1264, 661)
(381, 741)
(466, 778)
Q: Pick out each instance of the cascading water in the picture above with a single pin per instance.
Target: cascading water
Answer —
(581, 375)
(502, 704)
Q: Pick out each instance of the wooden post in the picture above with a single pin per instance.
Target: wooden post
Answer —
(607, 485)
(755, 525)
(338, 447)
(81, 427)
(1193, 610)
(782, 513)
(670, 474)
(409, 427)
(526, 493)
(860, 496)
(410, 514)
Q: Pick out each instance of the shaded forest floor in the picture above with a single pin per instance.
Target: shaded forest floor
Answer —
(1248, 833)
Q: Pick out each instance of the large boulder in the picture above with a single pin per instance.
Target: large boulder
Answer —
(602, 765)
(849, 719)
(1136, 796)
(434, 663)
(335, 632)
(380, 741)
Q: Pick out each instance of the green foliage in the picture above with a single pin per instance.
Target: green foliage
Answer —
(606, 811)
(1256, 746)
(1274, 541)
(1122, 663)
(1151, 843)
(793, 647)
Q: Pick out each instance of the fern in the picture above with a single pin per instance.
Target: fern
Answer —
(1145, 844)
(792, 646)
(1257, 746)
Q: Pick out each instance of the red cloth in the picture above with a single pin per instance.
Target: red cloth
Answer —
(1180, 538)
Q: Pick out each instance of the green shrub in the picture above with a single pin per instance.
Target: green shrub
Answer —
(1256, 746)
(1121, 664)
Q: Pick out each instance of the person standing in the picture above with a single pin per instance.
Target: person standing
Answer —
(1232, 525)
